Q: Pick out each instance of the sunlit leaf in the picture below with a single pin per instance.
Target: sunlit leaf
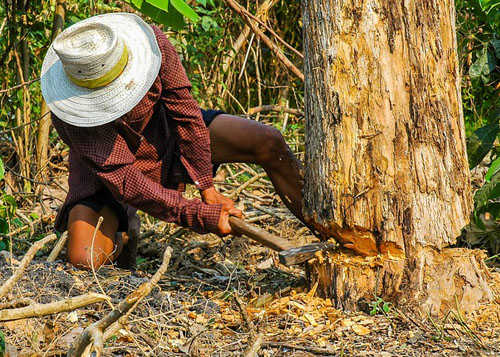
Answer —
(185, 10)
(2, 170)
(494, 168)
(166, 12)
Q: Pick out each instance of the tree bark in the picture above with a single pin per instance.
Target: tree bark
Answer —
(385, 151)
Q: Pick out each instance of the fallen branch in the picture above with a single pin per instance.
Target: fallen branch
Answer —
(275, 108)
(37, 310)
(24, 264)
(95, 331)
(253, 349)
(277, 51)
(57, 248)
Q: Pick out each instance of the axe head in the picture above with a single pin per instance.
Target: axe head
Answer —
(302, 254)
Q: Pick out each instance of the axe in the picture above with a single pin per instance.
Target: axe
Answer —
(288, 254)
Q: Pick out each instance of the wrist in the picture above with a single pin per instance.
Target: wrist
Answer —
(208, 195)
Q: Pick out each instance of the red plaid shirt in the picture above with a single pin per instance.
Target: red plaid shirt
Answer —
(144, 157)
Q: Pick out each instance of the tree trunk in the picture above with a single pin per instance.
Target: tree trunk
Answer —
(385, 152)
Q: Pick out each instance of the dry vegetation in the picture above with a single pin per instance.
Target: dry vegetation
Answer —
(224, 297)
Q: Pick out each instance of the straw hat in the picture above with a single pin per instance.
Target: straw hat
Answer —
(100, 68)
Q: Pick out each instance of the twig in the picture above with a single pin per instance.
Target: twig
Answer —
(21, 229)
(5, 288)
(277, 51)
(248, 323)
(96, 330)
(458, 316)
(57, 248)
(258, 218)
(264, 209)
(275, 108)
(315, 350)
(37, 310)
(247, 183)
(99, 222)
(262, 23)
(19, 86)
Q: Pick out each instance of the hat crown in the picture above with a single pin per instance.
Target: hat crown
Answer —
(89, 51)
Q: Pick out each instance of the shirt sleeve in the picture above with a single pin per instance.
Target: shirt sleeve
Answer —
(108, 155)
(185, 115)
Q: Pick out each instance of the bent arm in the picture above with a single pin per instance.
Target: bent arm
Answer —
(107, 154)
(186, 120)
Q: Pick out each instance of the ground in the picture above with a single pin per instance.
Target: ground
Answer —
(221, 295)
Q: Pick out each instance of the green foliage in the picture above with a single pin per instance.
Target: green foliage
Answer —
(479, 50)
(166, 12)
(380, 306)
(2, 344)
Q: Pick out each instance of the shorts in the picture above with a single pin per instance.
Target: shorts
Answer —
(124, 212)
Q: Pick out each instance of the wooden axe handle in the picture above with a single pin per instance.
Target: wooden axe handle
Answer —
(259, 235)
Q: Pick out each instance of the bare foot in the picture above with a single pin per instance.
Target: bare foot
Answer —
(128, 256)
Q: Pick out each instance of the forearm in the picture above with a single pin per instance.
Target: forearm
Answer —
(128, 185)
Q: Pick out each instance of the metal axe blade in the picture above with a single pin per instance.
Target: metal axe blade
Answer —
(294, 256)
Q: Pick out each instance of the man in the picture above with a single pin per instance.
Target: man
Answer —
(121, 101)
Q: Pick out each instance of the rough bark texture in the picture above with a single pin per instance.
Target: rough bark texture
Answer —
(385, 144)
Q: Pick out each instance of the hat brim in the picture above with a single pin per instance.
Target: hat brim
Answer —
(85, 107)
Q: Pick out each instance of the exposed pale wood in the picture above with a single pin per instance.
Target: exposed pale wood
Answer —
(437, 278)
(385, 144)
(7, 285)
(37, 310)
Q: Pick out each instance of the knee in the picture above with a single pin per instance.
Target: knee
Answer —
(84, 257)
(271, 147)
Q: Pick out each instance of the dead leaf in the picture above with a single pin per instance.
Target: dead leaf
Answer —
(360, 330)
(346, 322)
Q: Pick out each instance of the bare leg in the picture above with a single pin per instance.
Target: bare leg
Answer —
(108, 243)
(235, 139)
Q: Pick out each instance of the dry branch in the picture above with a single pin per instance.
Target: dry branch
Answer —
(275, 108)
(277, 51)
(96, 330)
(253, 349)
(57, 248)
(24, 263)
(19, 85)
(37, 310)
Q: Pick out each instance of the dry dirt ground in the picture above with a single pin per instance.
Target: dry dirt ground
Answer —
(220, 296)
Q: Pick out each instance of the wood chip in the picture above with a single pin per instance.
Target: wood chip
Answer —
(360, 330)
